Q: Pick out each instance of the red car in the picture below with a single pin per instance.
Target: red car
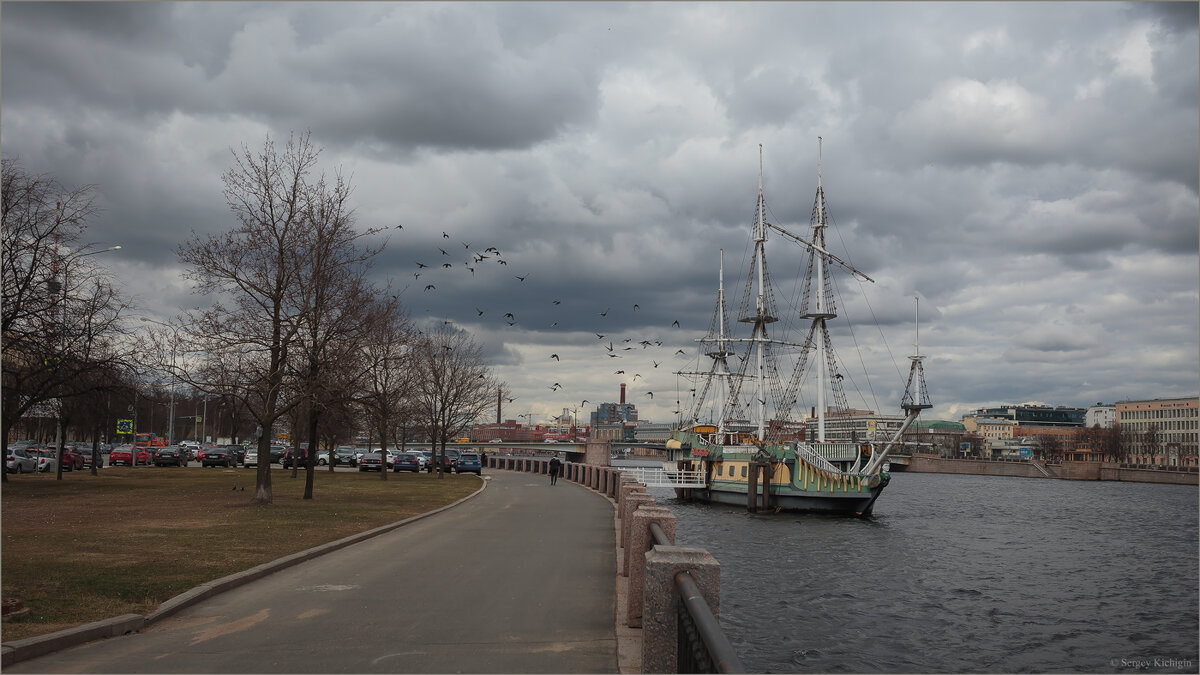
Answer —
(123, 454)
(72, 459)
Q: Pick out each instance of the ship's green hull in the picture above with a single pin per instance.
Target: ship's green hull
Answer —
(793, 484)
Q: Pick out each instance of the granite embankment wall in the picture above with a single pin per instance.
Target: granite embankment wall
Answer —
(1066, 471)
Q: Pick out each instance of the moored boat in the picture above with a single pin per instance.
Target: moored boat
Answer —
(732, 449)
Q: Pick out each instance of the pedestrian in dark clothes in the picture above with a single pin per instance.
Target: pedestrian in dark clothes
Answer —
(555, 469)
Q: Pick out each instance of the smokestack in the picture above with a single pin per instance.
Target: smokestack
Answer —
(622, 393)
(499, 396)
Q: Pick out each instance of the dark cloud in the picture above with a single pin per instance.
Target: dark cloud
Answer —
(1028, 169)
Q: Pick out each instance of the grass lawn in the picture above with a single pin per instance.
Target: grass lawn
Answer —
(88, 548)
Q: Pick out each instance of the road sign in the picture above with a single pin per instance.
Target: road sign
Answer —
(198, 418)
(124, 426)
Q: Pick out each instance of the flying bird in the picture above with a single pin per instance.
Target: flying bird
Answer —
(618, 372)
(635, 306)
(421, 264)
(522, 278)
(680, 351)
(446, 266)
(636, 375)
(430, 287)
(556, 387)
(656, 363)
(509, 316)
(555, 357)
(445, 236)
(605, 312)
(443, 251)
(502, 262)
(557, 302)
(650, 394)
(399, 227)
(479, 310)
(675, 323)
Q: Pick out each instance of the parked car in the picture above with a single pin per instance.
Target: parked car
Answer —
(238, 452)
(468, 462)
(448, 461)
(47, 460)
(123, 454)
(371, 461)
(21, 460)
(72, 459)
(171, 455)
(425, 456)
(346, 455)
(406, 461)
(290, 454)
(277, 452)
(251, 458)
(87, 457)
(216, 455)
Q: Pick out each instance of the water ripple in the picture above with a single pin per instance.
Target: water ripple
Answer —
(963, 574)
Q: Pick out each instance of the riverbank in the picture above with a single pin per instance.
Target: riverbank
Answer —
(1099, 471)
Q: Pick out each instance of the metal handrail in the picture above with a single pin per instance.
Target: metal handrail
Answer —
(721, 656)
(724, 658)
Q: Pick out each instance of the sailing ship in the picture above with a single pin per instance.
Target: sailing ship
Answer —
(741, 443)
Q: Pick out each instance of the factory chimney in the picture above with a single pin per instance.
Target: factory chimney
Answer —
(622, 393)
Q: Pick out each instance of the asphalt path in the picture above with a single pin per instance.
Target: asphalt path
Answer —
(519, 579)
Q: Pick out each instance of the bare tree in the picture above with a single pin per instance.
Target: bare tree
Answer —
(61, 318)
(387, 357)
(259, 271)
(335, 282)
(1048, 446)
(453, 386)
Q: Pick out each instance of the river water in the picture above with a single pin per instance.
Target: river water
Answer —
(963, 574)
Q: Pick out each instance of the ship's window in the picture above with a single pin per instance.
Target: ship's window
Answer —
(743, 471)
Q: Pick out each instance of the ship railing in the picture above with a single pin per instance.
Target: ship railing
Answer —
(808, 454)
(703, 646)
(656, 477)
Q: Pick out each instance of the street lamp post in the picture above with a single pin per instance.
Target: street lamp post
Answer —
(58, 259)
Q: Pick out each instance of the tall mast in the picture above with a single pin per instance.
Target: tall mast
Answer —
(819, 242)
(760, 327)
(722, 370)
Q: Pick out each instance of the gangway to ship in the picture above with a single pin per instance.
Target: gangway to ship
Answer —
(655, 477)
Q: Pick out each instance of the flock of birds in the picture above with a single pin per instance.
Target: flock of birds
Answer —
(612, 347)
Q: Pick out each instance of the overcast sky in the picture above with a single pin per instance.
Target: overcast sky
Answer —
(1029, 170)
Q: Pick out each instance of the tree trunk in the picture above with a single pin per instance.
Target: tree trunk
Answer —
(383, 470)
(262, 488)
(95, 451)
(312, 455)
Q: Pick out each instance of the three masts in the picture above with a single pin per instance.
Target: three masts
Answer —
(722, 459)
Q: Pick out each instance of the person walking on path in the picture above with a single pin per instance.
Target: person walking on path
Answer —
(555, 468)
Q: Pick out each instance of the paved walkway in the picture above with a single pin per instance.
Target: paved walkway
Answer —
(518, 579)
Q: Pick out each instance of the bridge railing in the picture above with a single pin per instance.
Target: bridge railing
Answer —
(673, 592)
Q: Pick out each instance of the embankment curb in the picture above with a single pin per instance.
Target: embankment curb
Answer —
(40, 645)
